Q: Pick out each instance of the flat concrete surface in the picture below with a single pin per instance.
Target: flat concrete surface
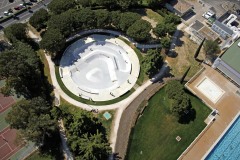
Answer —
(228, 107)
(99, 68)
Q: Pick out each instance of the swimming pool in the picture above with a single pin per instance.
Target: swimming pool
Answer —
(229, 145)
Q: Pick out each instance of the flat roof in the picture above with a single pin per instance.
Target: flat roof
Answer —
(197, 25)
(232, 56)
(182, 6)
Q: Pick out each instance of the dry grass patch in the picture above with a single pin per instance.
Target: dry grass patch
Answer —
(185, 58)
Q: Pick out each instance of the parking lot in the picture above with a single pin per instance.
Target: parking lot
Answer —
(5, 5)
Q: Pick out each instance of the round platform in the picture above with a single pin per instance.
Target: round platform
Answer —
(99, 68)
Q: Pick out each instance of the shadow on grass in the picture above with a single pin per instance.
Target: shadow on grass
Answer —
(187, 117)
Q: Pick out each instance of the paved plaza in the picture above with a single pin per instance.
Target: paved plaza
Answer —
(99, 68)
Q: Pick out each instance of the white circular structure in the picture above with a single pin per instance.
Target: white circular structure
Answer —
(99, 68)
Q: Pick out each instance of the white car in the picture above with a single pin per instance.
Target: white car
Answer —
(208, 14)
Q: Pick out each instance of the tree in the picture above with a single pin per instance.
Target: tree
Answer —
(163, 28)
(152, 62)
(160, 29)
(115, 18)
(180, 101)
(60, 6)
(53, 41)
(127, 19)
(84, 19)
(165, 42)
(32, 118)
(139, 30)
(107, 3)
(212, 49)
(172, 18)
(62, 22)
(20, 68)
(86, 135)
(39, 19)
(124, 4)
(16, 31)
(94, 147)
(103, 18)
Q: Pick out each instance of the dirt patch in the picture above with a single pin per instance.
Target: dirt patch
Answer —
(185, 58)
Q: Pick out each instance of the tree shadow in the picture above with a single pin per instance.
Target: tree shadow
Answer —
(172, 54)
(187, 116)
(188, 16)
(115, 156)
(52, 145)
(179, 42)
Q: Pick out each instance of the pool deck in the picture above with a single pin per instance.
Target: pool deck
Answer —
(228, 106)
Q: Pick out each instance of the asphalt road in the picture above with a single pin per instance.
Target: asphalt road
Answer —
(5, 5)
(25, 15)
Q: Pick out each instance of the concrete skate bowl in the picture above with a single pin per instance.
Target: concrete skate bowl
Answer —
(99, 68)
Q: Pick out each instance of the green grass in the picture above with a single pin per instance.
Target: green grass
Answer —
(154, 15)
(155, 132)
(70, 94)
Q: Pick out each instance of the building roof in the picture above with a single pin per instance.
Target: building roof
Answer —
(232, 56)
(208, 33)
(182, 6)
(197, 25)
(223, 27)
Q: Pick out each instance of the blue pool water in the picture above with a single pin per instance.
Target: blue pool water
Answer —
(228, 148)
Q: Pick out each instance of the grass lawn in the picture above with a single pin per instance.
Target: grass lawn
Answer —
(154, 15)
(154, 134)
(185, 58)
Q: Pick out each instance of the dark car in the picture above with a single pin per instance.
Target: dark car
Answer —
(27, 4)
(33, 1)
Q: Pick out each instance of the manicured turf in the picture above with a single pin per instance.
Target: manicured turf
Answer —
(154, 136)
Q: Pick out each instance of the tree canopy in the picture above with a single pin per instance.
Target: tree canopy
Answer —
(52, 41)
(39, 19)
(165, 42)
(139, 30)
(32, 118)
(60, 6)
(212, 49)
(180, 101)
(152, 62)
(16, 31)
(127, 19)
(20, 68)
(86, 135)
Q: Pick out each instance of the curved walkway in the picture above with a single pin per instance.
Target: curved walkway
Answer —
(115, 33)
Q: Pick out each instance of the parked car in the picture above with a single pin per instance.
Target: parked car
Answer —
(7, 13)
(27, 4)
(1, 17)
(33, 1)
(208, 14)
